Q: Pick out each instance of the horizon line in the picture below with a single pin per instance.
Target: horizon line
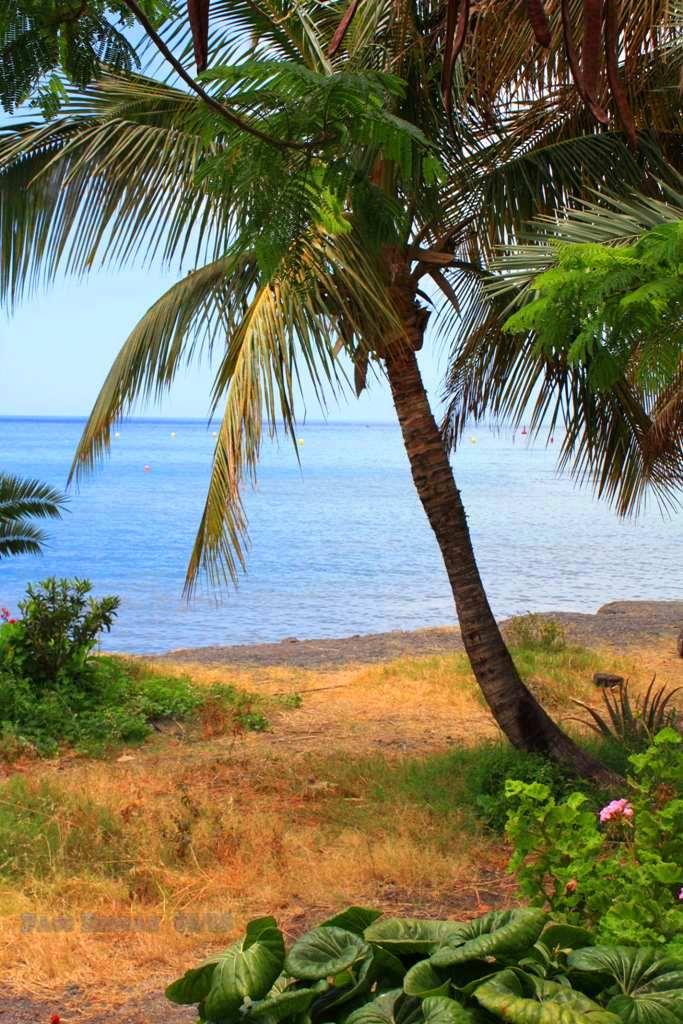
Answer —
(184, 419)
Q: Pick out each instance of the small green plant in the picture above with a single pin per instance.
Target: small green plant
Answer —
(619, 871)
(291, 700)
(59, 627)
(536, 633)
(359, 967)
(633, 723)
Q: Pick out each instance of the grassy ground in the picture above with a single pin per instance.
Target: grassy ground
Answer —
(369, 787)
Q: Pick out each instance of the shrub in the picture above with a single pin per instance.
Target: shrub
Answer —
(620, 872)
(536, 633)
(490, 765)
(57, 633)
(362, 968)
(118, 706)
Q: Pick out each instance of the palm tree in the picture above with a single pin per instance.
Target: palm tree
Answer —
(21, 501)
(315, 231)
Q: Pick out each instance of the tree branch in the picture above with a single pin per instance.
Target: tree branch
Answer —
(208, 99)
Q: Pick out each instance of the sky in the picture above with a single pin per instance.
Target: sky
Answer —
(56, 349)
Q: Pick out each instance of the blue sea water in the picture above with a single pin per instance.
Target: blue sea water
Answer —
(339, 544)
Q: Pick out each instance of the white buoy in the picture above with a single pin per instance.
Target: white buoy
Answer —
(117, 434)
(473, 440)
(173, 433)
(301, 441)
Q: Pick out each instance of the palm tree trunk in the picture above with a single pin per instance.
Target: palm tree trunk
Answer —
(517, 712)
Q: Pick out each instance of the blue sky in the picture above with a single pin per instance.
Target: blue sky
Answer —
(56, 348)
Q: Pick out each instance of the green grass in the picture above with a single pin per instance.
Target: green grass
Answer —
(45, 830)
(465, 785)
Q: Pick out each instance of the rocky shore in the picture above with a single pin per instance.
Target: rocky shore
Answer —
(618, 624)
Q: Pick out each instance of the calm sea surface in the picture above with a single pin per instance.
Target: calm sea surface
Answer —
(338, 546)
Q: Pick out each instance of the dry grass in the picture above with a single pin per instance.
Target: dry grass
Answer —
(288, 822)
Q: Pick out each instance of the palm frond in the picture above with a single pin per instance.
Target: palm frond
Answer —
(20, 538)
(20, 498)
(113, 180)
(264, 335)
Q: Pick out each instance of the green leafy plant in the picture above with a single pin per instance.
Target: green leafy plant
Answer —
(121, 704)
(634, 723)
(362, 968)
(536, 632)
(621, 870)
(58, 631)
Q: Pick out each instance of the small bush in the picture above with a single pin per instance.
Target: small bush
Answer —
(536, 633)
(55, 692)
(487, 768)
(57, 633)
(44, 831)
(620, 871)
(633, 722)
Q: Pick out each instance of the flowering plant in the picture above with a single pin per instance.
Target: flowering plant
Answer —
(616, 810)
(619, 870)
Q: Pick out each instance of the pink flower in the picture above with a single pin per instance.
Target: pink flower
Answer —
(615, 810)
(5, 615)
(680, 895)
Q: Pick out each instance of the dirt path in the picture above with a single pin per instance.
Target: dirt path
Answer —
(619, 624)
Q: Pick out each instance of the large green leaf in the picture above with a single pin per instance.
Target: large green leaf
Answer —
(412, 935)
(423, 980)
(194, 985)
(502, 933)
(392, 1007)
(440, 1010)
(325, 952)
(290, 1003)
(648, 986)
(562, 938)
(535, 1001)
(246, 970)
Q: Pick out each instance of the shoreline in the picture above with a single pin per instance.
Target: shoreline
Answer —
(617, 624)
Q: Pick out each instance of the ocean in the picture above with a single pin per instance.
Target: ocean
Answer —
(339, 543)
